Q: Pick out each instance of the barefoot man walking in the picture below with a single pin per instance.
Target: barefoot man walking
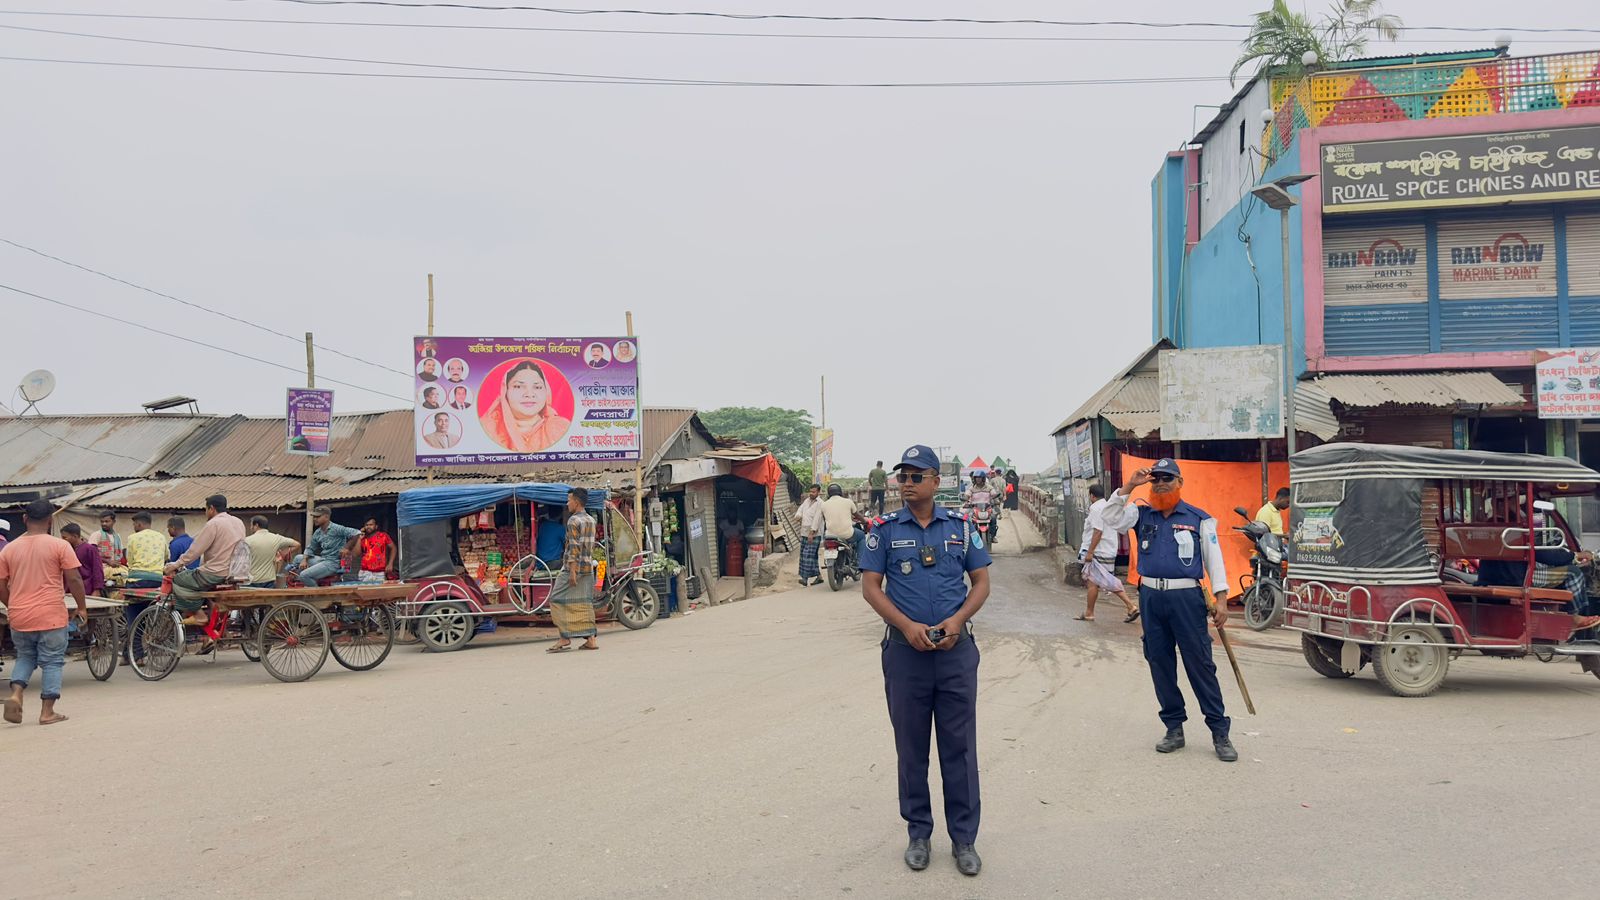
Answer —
(36, 571)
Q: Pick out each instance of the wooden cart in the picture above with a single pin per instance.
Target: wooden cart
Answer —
(290, 630)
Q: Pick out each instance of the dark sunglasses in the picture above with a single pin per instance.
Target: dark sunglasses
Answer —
(1163, 478)
(913, 477)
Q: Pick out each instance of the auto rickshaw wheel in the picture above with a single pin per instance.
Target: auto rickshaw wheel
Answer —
(446, 627)
(638, 605)
(1590, 664)
(1412, 663)
(1321, 657)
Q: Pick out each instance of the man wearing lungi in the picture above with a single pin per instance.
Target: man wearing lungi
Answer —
(572, 597)
(1099, 553)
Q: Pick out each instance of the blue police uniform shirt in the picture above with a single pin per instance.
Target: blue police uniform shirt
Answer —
(1171, 546)
(925, 594)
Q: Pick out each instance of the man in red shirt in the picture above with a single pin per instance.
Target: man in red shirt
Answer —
(377, 551)
(36, 571)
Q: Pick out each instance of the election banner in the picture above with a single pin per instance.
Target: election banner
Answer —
(526, 400)
(309, 415)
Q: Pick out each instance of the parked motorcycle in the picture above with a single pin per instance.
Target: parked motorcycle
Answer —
(1263, 599)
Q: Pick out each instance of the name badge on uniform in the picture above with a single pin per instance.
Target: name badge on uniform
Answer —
(905, 567)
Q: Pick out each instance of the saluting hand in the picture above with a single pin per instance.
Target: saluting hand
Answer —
(1139, 479)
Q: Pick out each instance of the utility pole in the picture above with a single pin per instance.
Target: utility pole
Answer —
(638, 467)
(311, 461)
(430, 334)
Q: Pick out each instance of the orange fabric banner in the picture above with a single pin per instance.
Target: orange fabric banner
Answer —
(1216, 487)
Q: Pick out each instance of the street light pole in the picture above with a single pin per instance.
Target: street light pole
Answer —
(1288, 341)
(1275, 194)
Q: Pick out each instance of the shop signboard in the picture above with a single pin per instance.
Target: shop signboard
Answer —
(526, 400)
(822, 456)
(1568, 383)
(1462, 170)
(1486, 259)
(1222, 393)
(309, 416)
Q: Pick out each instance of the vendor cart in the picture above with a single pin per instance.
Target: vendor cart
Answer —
(100, 638)
(291, 631)
(450, 599)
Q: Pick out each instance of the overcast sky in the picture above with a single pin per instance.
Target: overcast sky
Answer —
(965, 265)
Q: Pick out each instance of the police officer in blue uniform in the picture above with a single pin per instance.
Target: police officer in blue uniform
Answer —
(1177, 544)
(917, 564)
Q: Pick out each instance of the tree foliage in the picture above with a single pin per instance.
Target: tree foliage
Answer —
(1280, 37)
(786, 432)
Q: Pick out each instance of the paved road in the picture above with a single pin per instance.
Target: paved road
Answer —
(744, 751)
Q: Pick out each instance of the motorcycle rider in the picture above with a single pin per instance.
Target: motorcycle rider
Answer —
(839, 518)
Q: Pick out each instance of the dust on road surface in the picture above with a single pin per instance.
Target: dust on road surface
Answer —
(744, 751)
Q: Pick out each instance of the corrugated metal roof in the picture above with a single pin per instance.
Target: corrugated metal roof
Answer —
(1139, 401)
(1440, 389)
(1313, 411)
(67, 449)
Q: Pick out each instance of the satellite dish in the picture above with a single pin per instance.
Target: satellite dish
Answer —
(36, 386)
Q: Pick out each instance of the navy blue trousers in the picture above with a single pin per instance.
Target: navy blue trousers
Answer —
(1176, 620)
(935, 693)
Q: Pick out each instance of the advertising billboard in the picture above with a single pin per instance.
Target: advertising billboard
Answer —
(1222, 393)
(309, 415)
(822, 455)
(1569, 383)
(526, 400)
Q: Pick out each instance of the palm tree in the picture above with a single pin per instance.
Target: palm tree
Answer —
(1280, 37)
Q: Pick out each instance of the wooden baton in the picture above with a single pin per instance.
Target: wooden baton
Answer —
(1234, 661)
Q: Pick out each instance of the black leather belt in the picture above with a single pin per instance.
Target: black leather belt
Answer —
(894, 634)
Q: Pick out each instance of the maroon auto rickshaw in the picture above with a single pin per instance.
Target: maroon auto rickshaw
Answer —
(1407, 557)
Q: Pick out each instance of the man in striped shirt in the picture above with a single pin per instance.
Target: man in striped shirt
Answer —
(572, 597)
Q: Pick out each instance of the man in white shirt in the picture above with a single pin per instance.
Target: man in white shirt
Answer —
(811, 525)
(839, 516)
(1098, 552)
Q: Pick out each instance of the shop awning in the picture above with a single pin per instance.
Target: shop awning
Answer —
(429, 504)
(1314, 399)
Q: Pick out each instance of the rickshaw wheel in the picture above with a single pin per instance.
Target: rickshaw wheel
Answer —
(445, 627)
(294, 641)
(1320, 659)
(1263, 605)
(156, 631)
(250, 640)
(1411, 663)
(103, 649)
(366, 643)
(638, 605)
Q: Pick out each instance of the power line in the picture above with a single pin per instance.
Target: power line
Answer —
(750, 17)
(488, 78)
(198, 343)
(440, 26)
(232, 318)
(800, 17)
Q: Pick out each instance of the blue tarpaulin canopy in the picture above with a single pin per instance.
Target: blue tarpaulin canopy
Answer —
(448, 501)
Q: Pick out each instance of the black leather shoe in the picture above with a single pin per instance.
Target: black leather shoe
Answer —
(1173, 741)
(917, 854)
(1225, 750)
(967, 860)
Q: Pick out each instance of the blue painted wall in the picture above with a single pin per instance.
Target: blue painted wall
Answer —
(1217, 303)
(1167, 196)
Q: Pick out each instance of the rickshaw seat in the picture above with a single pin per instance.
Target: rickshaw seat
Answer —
(1514, 594)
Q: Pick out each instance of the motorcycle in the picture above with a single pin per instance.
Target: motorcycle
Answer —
(839, 557)
(984, 514)
(1263, 599)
